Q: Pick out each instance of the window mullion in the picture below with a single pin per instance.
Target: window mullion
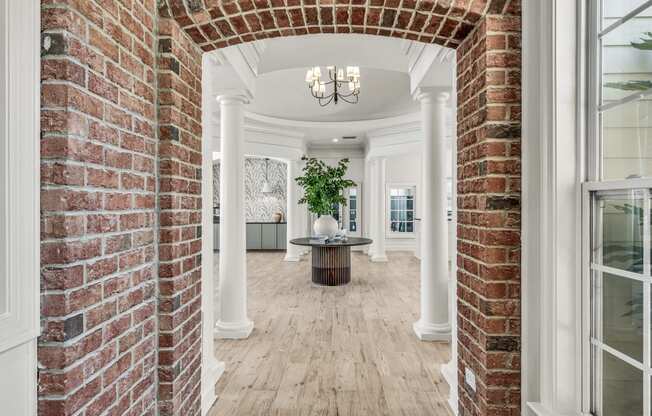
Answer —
(647, 354)
(597, 299)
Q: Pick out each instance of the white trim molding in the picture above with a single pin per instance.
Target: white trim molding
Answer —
(20, 179)
(551, 210)
(20, 64)
(212, 369)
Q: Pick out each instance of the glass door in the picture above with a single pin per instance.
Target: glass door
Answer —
(353, 211)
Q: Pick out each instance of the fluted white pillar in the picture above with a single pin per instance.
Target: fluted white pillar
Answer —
(293, 219)
(434, 323)
(233, 322)
(380, 181)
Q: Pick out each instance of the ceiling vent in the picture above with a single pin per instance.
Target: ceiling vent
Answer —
(349, 137)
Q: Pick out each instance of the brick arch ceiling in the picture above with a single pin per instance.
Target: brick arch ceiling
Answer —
(214, 24)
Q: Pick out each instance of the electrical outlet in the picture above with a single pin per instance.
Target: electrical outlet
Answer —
(469, 378)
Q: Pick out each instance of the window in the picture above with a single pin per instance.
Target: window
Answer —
(336, 213)
(401, 210)
(353, 210)
(348, 217)
(617, 209)
(620, 301)
(624, 119)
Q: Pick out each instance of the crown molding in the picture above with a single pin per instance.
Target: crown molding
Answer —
(351, 152)
(275, 131)
(365, 125)
(411, 127)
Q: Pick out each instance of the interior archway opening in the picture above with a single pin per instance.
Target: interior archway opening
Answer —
(317, 334)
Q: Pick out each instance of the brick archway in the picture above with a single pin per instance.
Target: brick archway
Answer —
(214, 24)
(121, 138)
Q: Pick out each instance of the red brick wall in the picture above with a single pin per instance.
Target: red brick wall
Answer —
(489, 171)
(107, 343)
(98, 251)
(180, 161)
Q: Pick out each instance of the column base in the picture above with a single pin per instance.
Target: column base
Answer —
(237, 330)
(208, 395)
(378, 259)
(292, 257)
(432, 332)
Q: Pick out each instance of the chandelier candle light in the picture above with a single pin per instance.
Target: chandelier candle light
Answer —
(338, 80)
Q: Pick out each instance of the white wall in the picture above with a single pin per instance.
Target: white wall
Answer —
(355, 171)
(356, 165)
(403, 169)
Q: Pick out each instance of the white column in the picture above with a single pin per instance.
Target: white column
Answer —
(293, 219)
(304, 228)
(433, 324)
(233, 322)
(379, 208)
(366, 203)
(372, 207)
(211, 369)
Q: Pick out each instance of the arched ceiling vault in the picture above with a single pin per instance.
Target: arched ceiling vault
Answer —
(215, 24)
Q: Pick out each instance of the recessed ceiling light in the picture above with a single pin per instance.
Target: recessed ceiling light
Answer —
(335, 140)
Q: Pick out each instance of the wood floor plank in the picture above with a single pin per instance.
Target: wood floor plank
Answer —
(332, 351)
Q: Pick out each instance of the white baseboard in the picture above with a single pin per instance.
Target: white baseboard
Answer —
(400, 244)
(449, 372)
(208, 395)
(239, 330)
(432, 332)
(539, 409)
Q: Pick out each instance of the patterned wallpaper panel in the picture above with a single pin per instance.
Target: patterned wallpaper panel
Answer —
(258, 206)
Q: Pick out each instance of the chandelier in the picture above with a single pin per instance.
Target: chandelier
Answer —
(343, 87)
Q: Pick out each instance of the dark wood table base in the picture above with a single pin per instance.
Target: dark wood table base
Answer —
(331, 262)
(331, 266)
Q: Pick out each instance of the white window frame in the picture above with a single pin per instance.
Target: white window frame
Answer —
(588, 188)
(388, 224)
(595, 183)
(553, 151)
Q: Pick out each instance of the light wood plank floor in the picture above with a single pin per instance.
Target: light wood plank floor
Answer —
(332, 351)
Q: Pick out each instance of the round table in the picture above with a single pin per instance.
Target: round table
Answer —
(331, 261)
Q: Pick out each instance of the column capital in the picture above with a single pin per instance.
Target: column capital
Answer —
(230, 96)
(429, 94)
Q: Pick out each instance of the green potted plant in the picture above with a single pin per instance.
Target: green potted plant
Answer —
(323, 185)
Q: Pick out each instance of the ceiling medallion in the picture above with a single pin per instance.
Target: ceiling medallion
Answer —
(337, 80)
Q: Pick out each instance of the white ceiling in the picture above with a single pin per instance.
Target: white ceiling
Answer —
(333, 49)
(284, 94)
(274, 70)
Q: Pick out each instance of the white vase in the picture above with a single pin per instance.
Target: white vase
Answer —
(325, 225)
